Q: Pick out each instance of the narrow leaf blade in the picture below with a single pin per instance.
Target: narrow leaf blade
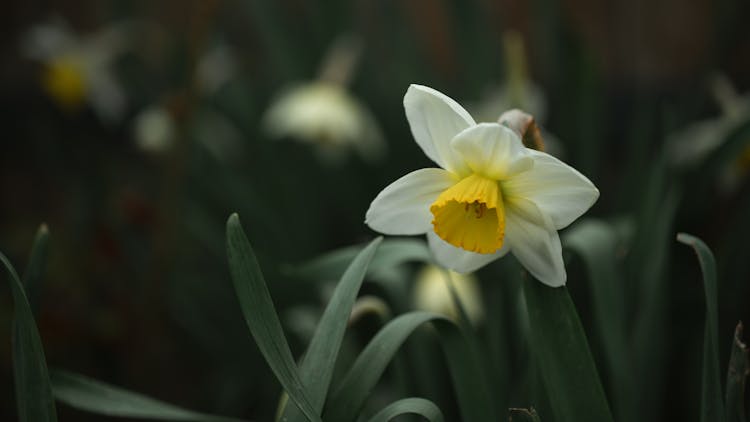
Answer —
(563, 356)
(712, 405)
(473, 395)
(318, 364)
(260, 315)
(33, 393)
(94, 396)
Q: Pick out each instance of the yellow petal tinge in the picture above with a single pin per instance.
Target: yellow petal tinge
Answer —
(63, 80)
(470, 215)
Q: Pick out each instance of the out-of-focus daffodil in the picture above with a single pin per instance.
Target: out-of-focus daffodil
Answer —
(154, 130)
(690, 145)
(78, 70)
(431, 293)
(491, 195)
(324, 113)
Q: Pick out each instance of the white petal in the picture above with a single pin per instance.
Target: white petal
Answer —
(457, 259)
(536, 246)
(404, 206)
(560, 191)
(435, 119)
(492, 150)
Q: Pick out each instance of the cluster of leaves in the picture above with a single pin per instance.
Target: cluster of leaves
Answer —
(557, 339)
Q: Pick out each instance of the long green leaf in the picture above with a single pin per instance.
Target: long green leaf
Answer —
(260, 315)
(390, 254)
(597, 243)
(739, 369)
(316, 368)
(97, 397)
(473, 394)
(32, 277)
(712, 405)
(33, 393)
(563, 356)
(411, 405)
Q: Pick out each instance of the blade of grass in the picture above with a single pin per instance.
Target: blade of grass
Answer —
(597, 244)
(32, 277)
(563, 356)
(411, 405)
(712, 405)
(34, 399)
(90, 395)
(261, 316)
(739, 369)
(316, 368)
(473, 395)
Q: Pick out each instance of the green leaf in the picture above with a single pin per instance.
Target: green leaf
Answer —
(739, 369)
(562, 354)
(260, 315)
(90, 395)
(316, 368)
(391, 253)
(412, 405)
(33, 393)
(712, 405)
(597, 244)
(471, 390)
(32, 277)
(524, 415)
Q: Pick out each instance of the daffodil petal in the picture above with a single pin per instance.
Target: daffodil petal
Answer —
(457, 259)
(403, 208)
(534, 242)
(492, 150)
(560, 191)
(435, 119)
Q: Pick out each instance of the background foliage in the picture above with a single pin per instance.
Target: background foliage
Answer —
(137, 290)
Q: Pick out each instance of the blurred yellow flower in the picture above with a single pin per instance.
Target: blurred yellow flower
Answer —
(491, 195)
(431, 293)
(78, 70)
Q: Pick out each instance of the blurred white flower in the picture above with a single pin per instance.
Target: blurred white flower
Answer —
(215, 68)
(154, 130)
(78, 69)
(692, 143)
(431, 293)
(491, 195)
(324, 113)
(327, 115)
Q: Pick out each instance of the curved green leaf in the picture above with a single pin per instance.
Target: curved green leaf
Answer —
(412, 405)
(563, 356)
(712, 405)
(260, 315)
(94, 396)
(390, 254)
(597, 244)
(316, 368)
(32, 277)
(472, 392)
(33, 393)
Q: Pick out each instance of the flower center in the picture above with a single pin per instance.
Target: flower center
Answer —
(63, 80)
(470, 215)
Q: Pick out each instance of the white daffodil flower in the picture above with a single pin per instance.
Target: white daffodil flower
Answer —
(491, 195)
